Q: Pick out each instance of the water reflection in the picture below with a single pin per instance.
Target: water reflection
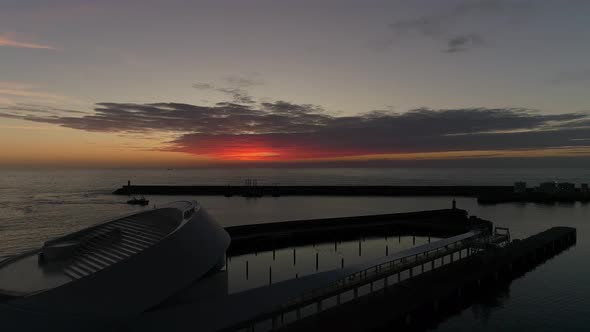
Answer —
(490, 301)
(261, 268)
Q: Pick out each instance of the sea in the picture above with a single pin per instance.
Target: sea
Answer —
(38, 205)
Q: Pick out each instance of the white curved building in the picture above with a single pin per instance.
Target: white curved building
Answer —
(115, 269)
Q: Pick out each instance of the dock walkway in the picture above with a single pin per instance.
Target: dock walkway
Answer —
(426, 293)
(232, 311)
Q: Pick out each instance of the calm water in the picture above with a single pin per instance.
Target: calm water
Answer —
(36, 206)
(288, 263)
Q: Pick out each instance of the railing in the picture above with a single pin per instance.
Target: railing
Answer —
(359, 279)
(501, 235)
(386, 268)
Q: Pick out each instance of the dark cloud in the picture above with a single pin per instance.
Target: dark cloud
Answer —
(203, 86)
(307, 131)
(235, 88)
(176, 117)
(26, 110)
(421, 130)
(238, 94)
(437, 24)
(463, 43)
(442, 25)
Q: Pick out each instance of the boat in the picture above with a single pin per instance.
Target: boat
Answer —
(115, 269)
(138, 201)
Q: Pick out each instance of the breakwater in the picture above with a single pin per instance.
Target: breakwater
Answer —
(268, 236)
(259, 191)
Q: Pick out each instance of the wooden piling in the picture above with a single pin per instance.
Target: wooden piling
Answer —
(317, 264)
(360, 248)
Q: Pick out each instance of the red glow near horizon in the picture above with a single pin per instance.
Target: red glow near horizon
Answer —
(247, 154)
(261, 148)
(230, 148)
(240, 149)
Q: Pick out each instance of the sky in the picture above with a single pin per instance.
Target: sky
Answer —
(325, 82)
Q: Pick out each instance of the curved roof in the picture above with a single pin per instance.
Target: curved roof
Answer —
(90, 250)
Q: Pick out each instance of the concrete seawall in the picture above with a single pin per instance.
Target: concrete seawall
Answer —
(440, 223)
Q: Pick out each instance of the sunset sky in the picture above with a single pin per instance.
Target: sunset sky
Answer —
(197, 83)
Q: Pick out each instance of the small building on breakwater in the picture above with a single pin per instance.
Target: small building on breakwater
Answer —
(545, 192)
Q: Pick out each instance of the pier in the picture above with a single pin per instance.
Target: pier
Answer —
(426, 281)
